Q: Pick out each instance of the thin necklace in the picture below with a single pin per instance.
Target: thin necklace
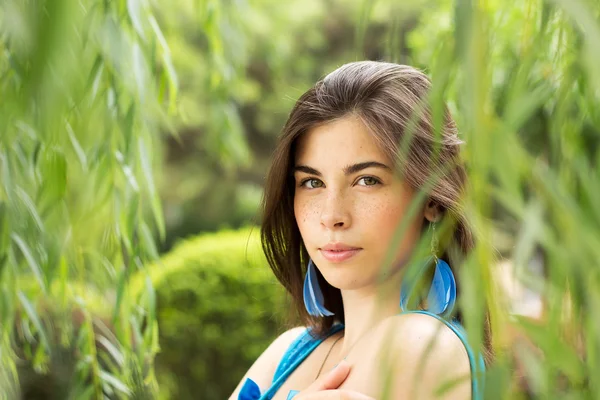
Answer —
(349, 350)
(327, 356)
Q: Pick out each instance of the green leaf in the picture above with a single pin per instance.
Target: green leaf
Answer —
(115, 382)
(128, 129)
(151, 296)
(128, 172)
(116, 354)
(4, 229)
(121, 290)
(31, 261)
(54, 173)
(134, 8)
(140, 72)
(28, 203)
(77, 147)
(154, 198)
(33, 316)
(148, 241)
(169, 68)
(6, 181)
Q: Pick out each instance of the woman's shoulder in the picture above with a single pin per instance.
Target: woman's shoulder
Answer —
(411, 334)
(424, 354)
(284, 340)
(280, 345)
(416, 333)
(416, 326)
(263, 369)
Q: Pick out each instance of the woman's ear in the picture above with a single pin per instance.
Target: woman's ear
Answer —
(433, 211)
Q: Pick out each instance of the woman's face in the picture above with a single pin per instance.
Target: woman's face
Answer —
(348, 203)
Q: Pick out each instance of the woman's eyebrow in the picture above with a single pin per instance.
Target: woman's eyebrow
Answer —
(354, 168)
(348, 170)
(307, 169)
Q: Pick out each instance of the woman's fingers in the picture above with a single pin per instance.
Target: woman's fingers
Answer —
(337, 395)
(334, 378)
(326, 387)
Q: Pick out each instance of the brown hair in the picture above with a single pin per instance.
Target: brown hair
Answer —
(390, 100)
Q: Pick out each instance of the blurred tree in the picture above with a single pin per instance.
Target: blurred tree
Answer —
(523, 82)
(83, 86)
(242, 65)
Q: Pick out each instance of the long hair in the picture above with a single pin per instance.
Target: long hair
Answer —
(391, 100)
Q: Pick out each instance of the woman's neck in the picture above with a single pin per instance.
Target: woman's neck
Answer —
(367, 307)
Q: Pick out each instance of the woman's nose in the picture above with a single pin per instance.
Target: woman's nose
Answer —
(335, 214)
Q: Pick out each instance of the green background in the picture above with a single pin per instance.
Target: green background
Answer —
(135, 137)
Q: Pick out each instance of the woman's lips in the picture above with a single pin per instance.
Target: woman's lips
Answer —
(339, 255)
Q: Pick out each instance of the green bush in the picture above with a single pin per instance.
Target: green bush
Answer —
(218, 308)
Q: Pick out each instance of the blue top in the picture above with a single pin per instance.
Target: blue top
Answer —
(304, 345)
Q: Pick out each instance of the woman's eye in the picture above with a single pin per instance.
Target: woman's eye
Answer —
(368, 181)
(312, 183)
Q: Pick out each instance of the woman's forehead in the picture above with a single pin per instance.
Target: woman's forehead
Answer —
(342, 141)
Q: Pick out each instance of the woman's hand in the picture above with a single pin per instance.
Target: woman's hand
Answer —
(326, 388)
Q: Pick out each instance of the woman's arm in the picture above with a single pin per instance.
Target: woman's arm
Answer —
(263, 369)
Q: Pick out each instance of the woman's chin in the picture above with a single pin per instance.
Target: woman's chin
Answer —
(348, 280)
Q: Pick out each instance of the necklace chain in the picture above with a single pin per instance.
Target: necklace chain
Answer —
(349, 350)
(327, 356)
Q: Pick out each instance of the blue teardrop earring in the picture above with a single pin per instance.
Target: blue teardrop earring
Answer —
(313, 296)
(442, 293)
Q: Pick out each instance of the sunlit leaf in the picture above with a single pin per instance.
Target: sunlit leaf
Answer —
(134, 7)
(28, 203)
(31, 261)
(115, 382)
(76, 146)
(168, 63)
(33, 316)
(154, 199)
(112, 349)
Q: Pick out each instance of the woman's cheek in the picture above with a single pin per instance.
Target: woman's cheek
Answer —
(306, 211)
(385, 218)
(377, 215)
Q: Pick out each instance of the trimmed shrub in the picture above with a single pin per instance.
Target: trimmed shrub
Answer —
(218, 307)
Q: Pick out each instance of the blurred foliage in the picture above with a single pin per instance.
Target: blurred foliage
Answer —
(66, 374)
(522, 81)
(242, 65)
(218, 307)
(83, 87)
(91, 109)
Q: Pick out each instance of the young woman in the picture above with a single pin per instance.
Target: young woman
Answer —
(358, 161)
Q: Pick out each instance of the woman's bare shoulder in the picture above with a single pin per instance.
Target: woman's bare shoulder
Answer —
(283, 342)
(431, 355)
(263, 369)
(419, 329)
(413, 356)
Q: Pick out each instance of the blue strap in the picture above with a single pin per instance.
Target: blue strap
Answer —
(298, 351)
